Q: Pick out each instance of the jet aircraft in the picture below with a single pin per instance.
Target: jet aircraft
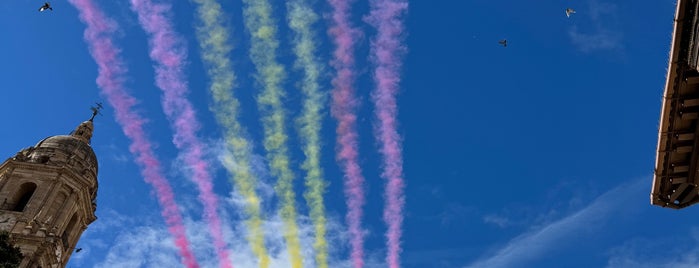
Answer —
(46, 6)
(503, 42)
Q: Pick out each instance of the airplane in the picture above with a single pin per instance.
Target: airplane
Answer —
(46, 6)
(78, 250)
(503, 42)
(569, 11)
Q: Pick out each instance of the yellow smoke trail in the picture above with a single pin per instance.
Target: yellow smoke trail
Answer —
(213, 40)
(301, 19)
(257, 15)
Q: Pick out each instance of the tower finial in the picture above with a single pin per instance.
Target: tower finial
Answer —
(84, 130)
(95, 110)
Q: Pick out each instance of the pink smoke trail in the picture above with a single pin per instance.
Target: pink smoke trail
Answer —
(168, 50)
(386, 50)
(344, 104)
(98, 36)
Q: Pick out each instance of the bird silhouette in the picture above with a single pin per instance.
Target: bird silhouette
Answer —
(46, 6)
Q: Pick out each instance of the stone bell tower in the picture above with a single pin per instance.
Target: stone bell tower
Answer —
(47, 196)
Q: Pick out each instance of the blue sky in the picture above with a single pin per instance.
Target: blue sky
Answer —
(539, 154)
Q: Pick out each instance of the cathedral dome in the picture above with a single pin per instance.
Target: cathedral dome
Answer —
(70, 151)
(48, 196)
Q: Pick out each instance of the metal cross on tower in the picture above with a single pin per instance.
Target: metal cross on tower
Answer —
(96, 110)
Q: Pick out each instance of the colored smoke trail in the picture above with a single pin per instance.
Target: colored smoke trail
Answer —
(344, 104)
(98, 36)
(168, 50)
(257, 15)
(386, 50)
(213, 40)
(301, 19)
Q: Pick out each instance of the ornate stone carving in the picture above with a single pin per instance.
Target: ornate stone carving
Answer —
(45, 232)
(23, 155)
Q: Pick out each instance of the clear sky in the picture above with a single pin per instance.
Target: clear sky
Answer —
(538, 154)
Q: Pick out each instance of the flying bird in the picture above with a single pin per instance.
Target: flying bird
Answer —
(46, 6)
(503, 42)
(569, 11)
(78, 250)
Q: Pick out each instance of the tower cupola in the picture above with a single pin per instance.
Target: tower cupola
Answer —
(48, 196)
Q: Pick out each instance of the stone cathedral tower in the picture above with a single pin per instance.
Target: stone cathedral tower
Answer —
(47, 196)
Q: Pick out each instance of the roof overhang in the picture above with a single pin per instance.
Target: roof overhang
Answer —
(677, 159)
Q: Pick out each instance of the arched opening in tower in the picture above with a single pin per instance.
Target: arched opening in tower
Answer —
(69, 231)
(22, 197)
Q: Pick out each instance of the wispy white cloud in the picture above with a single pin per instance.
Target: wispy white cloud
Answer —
(601, 30)
(259, 168)
(519, 215)
(498, 220)
(455, 214)
(150, 245)
(677, 252)
(436, 258)
(113, 152)
(93, 239)
(534, 243)
(144, 241)
(142, 247)
(600, 39)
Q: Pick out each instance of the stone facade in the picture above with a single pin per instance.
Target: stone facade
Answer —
(47, 197)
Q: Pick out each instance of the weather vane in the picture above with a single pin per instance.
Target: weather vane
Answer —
(96, 110)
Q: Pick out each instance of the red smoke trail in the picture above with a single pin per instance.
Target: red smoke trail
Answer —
(98, 36)
(344, 104)
(386, 50)
(168, 50)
